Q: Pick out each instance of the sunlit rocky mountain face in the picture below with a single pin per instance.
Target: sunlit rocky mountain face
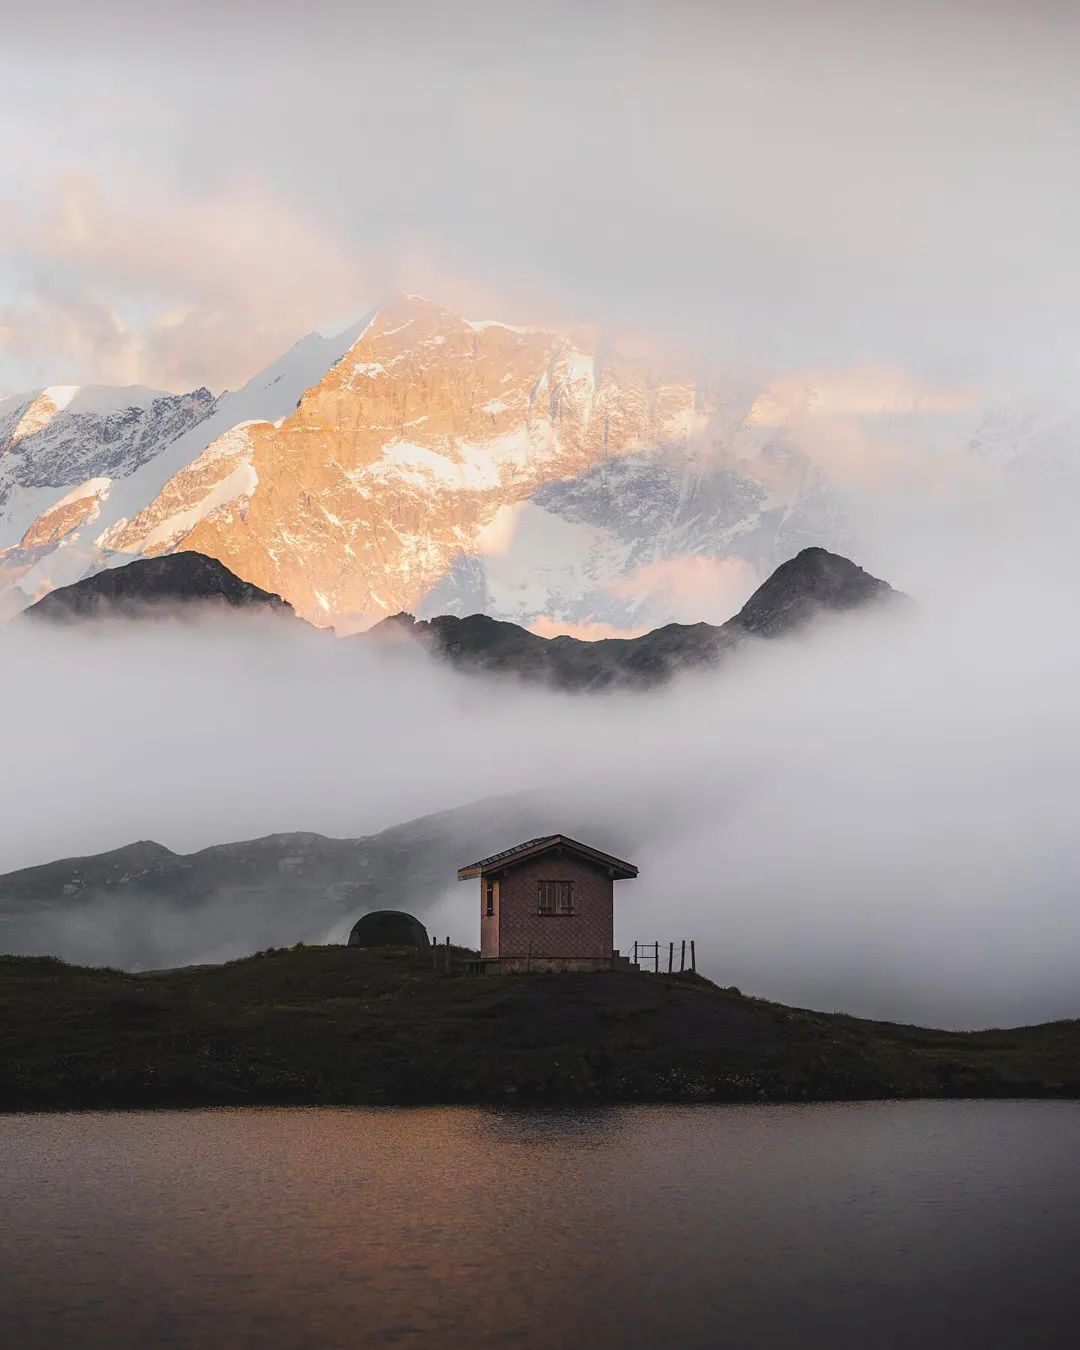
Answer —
(61, 450)
(426, 462)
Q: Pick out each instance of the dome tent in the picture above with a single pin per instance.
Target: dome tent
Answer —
(388, 928)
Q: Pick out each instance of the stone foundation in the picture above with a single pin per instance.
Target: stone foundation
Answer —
(519, 965)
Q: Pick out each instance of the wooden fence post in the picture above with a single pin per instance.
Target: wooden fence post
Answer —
(528, 959)
(670, 956)
(656, 957)
(693, 958)
(682, 957)
(635, 953)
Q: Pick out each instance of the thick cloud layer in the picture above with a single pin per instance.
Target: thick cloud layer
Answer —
(881, 817)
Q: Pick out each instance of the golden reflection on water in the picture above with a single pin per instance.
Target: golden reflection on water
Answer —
(466, 1227)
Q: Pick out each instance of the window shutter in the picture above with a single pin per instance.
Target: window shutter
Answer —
(554, 897)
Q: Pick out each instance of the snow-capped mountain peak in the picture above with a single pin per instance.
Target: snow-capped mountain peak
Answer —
(426, 461)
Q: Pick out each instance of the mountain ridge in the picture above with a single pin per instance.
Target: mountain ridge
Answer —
(180, 906)
(427, 461)
(812, 583)
(149, 584)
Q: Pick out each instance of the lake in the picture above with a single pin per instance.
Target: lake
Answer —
(878, 1225)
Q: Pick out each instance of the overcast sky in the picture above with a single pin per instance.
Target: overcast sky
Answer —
(189, 187)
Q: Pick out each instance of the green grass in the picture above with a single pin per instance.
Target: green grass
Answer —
(338, 1025)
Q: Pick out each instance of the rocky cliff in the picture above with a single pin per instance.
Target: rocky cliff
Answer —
(431, 462)
(812, 584)
(184, 580)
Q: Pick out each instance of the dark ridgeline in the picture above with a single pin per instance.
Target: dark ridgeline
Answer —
(813, 583)
(148, 583)
(284, 886)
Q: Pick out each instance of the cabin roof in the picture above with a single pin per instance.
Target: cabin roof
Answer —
(545, 843)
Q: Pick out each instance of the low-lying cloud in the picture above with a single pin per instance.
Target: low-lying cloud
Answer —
(214, 286)
(880, 817)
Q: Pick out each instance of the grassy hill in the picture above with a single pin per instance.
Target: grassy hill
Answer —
(334, 1025)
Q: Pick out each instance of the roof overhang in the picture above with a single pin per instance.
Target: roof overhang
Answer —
(535, 848)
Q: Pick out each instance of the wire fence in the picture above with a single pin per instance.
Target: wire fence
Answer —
(650, 956)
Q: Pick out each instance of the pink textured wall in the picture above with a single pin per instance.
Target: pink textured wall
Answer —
(589, 931)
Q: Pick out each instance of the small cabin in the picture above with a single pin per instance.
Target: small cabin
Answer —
(548, 904)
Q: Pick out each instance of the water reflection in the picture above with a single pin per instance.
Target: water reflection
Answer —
(920, 1224)
(584, 1127)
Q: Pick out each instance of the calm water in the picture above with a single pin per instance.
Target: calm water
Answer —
(924, 1225)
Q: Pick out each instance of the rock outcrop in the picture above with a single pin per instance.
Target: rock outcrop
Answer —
(180, 580)
(428, 462)
(397, 462)
(813, 583)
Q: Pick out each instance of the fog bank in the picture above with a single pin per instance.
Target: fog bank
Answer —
(880, 817)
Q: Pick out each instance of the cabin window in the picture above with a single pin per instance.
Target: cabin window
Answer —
(555, 897)
(489, 898)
